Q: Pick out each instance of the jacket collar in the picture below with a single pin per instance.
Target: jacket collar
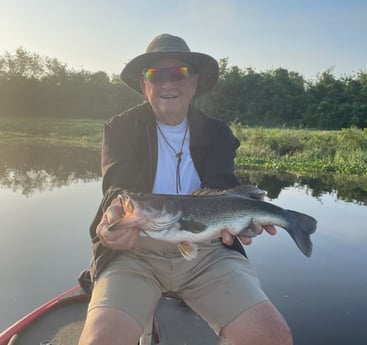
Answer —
(197, 124)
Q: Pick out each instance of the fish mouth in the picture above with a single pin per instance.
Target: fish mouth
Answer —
(127, 204)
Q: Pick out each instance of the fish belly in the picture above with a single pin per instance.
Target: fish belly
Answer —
(176, 234)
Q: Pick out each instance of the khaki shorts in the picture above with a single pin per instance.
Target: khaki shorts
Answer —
(219, 284)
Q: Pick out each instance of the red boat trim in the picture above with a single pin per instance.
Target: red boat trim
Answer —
(74, 294)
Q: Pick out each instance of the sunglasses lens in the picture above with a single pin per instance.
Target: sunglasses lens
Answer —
(178, 73)
(154, 74)
(150, 73)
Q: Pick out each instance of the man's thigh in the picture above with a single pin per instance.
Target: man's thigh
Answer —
(128, 285)
(223, 287)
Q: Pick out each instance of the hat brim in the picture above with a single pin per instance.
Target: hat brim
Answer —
(206, 66)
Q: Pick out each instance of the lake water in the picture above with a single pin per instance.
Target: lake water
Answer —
(49, 195)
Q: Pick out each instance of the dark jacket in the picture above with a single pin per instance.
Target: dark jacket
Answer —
(129, 159)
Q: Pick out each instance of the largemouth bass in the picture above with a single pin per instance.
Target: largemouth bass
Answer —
(200, 217)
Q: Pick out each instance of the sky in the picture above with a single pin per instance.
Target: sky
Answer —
(304, 36)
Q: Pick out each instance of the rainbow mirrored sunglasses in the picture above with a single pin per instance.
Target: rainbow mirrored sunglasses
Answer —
(158, 74)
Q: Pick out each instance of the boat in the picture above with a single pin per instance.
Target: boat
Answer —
(60, 321)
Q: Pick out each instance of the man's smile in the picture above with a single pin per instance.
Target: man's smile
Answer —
(168, 96)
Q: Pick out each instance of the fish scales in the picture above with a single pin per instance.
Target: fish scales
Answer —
(190, 219)
(215, 210)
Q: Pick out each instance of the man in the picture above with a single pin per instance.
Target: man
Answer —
(168, 146)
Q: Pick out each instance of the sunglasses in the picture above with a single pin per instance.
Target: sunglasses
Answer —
(156, 74)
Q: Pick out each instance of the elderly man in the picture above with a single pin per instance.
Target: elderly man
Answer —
(168, 146)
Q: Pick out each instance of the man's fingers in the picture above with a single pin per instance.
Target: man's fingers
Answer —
(245, 240)
(270, 229)
(113, 213)
(227, 237)
(119, 239)
(257, 229)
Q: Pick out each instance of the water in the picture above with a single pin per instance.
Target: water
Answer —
(49, 196)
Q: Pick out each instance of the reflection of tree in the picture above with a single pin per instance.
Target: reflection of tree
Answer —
(347, 188)
(273, 184)
(30, 168)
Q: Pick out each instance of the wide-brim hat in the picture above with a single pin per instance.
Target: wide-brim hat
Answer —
(166, 46)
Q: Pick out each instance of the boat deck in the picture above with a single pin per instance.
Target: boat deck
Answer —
(62, 326)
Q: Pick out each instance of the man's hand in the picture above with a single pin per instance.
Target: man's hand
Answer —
(228, 238)
(115, 234)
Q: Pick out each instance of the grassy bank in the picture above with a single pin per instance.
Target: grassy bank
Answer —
(52, 131)
(289, 150)
(303, 151)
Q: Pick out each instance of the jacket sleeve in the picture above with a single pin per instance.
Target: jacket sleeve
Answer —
(219, 159)
(117, 164)
(119, 154)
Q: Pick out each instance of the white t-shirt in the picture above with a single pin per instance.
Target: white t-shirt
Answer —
(165, 178)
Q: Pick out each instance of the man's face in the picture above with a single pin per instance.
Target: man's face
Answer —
(169, 97)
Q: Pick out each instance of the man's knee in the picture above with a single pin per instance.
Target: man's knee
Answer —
(261, 324)
(224, 341)
(110, 326)
(281, 334)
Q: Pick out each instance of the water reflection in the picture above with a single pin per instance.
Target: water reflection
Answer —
(324, 298)
(31, 168)
(37, 168)
(347, 188)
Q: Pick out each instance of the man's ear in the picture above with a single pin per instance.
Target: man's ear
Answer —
(142, 86)
(196, 84)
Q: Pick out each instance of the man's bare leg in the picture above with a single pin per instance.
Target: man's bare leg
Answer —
(260, 325)
(110, 326)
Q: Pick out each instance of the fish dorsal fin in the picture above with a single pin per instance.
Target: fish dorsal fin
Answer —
(207, 191)
(188, 250)
(192, 226)
(245, 191)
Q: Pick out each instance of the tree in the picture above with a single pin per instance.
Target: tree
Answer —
(21, 64)
(31, 85)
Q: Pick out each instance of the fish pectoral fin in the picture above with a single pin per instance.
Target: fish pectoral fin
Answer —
(250, 230)
(146, 233)
(188, 250)
(192, 225)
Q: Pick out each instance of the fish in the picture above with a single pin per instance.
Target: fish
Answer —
(188, 220)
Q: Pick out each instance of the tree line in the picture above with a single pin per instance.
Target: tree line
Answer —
(35, 86)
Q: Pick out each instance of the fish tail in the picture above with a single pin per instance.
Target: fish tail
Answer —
(301, 226)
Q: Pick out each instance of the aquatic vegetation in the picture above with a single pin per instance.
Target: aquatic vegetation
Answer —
(296, 150)
(268, 149)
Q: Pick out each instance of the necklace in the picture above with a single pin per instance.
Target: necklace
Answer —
(177, 154)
